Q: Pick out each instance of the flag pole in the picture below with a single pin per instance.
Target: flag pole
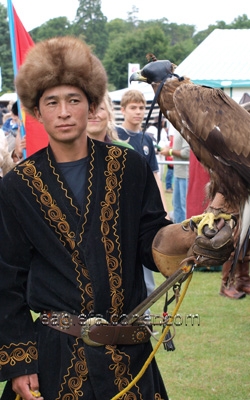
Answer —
(14, 61)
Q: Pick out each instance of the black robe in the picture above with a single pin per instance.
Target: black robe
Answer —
(80, 258)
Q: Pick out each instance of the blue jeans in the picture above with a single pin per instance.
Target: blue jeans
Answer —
(169, 178)
(179, 199)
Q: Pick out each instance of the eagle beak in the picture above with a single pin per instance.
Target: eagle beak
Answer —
(137, 76)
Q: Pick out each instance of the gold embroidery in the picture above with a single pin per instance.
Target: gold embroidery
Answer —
(109, 216)
(89, 190)
(81, 270)
(18, 354)
(51, 211)
(120, 369)
(77, 374)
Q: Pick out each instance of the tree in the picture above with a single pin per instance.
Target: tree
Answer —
(54, 27)
(91, 23)
(180, 51)
(5, 52)
(118, 27)
(241, 22)
(132, 47)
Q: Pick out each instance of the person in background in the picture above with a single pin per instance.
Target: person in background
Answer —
(197, 200)
(11, 125)
(180, 152)
(133, 107)
(1, 117)
(170, 167)
(101, 124)
(160, 140)
(6, 161)
(11, 152)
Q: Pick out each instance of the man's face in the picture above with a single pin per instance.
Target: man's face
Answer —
(63, 110)
(134, 113)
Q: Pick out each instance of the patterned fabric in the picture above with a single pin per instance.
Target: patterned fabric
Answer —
(80, 258)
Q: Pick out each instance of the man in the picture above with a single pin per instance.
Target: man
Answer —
(78, 219)
(180, 152)
(133, 106)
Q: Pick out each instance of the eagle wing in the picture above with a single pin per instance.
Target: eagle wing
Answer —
(215, 124)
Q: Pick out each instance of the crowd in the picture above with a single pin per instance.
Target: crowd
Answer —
(11, 143)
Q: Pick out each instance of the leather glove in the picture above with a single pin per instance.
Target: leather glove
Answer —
(213, 247)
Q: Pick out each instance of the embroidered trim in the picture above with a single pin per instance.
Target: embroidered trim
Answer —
(109, 217)
(120, 369)
(158, 396)
(18, 354)
(77, 374)
(89, 191)
(48, 206)
(81, 270)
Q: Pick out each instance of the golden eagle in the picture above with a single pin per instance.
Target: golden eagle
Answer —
(216, 128)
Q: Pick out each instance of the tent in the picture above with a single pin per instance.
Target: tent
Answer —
(7, 97)
(222, 61)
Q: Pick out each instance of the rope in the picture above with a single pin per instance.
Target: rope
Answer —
(151, 356)
(161, 339)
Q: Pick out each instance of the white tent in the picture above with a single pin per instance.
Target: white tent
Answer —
(5, 98)
(145, 88)
(222, 60)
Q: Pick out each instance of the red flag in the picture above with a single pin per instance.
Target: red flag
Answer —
(36, 136)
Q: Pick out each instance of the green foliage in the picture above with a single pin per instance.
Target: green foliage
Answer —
(54, 27)
(118, 42)
(178, 33)
(5, 53)
(118, 27)
(91, 23)
(132, 48)
(179, 51)
(241, 22)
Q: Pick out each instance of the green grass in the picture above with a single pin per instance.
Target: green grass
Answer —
(211, 361)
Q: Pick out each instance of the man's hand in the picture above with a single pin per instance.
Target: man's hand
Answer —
(27, 387)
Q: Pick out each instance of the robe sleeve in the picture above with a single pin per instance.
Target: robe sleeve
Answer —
(18, 351)
(152, 220)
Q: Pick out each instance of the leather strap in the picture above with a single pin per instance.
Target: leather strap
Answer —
(95, 331)
(119, 334)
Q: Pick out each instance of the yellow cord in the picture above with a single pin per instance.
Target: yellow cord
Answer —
(161, 339)
(151, 356)
(36, 394)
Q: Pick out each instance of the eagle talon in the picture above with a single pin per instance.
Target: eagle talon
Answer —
(207, 220)
(192, 224)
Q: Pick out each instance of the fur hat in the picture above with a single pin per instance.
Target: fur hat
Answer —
(60, 61)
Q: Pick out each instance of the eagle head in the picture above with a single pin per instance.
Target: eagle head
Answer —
(154, 71)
